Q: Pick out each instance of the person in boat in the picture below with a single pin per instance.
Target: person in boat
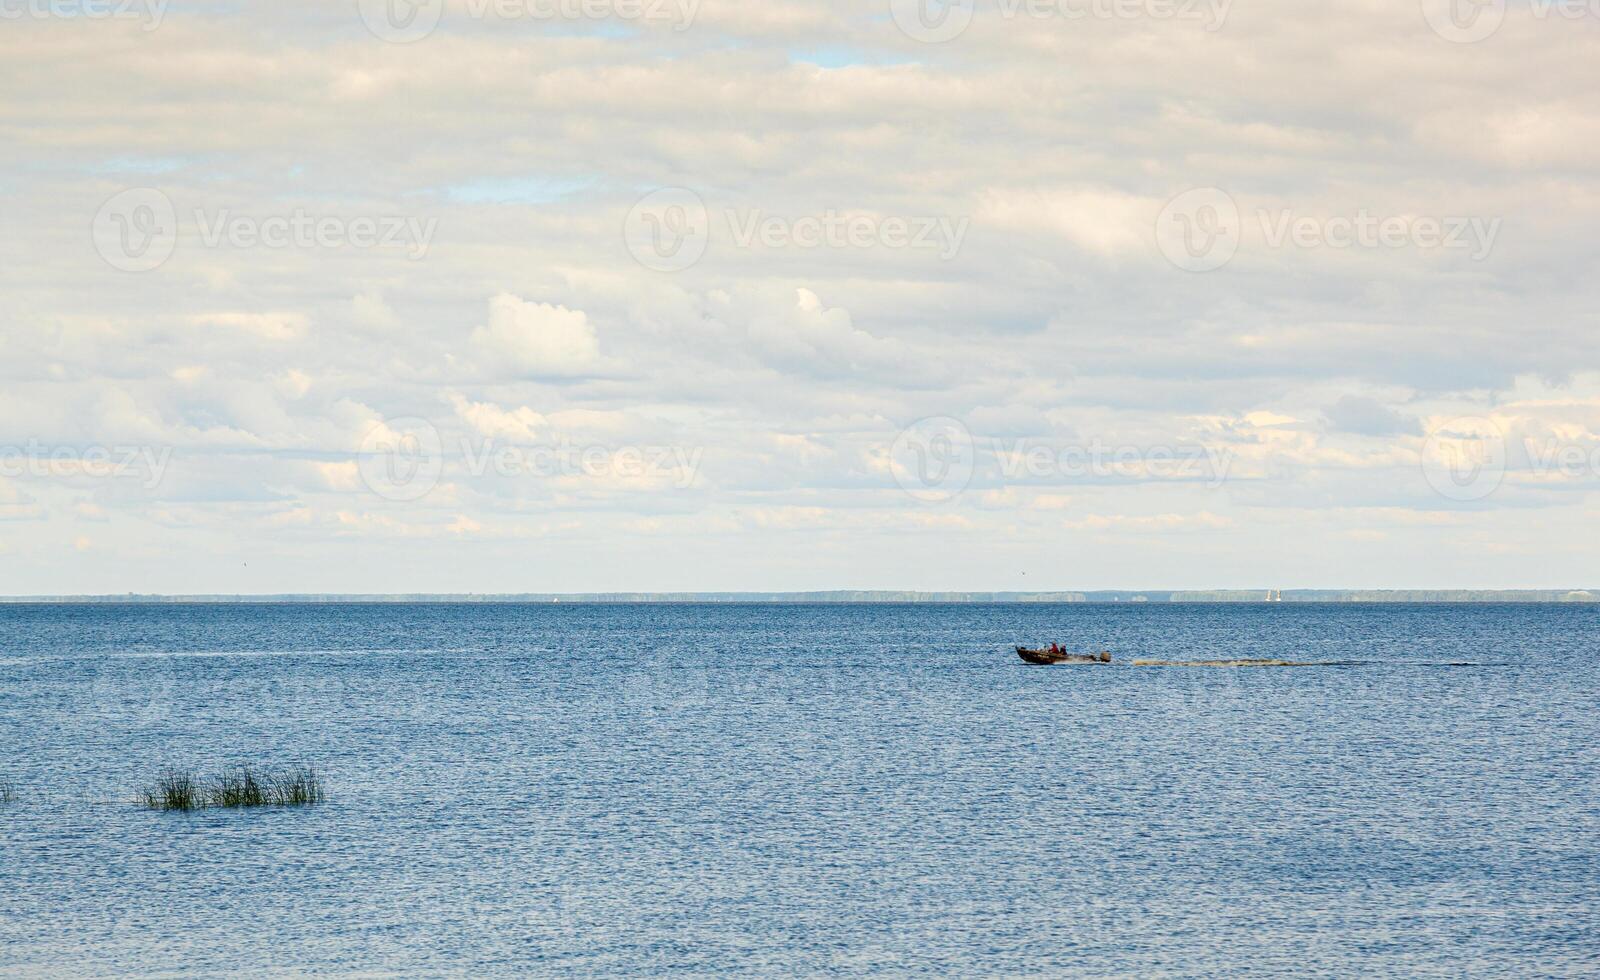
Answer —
(1055, 649)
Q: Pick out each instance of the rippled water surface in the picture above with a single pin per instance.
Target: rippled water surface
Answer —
(806, 790)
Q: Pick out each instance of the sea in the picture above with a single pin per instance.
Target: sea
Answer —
(805, 790)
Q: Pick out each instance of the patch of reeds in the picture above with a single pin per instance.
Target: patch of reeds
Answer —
(8, 792)
(301, 786)
(235, 788)
(172, 790)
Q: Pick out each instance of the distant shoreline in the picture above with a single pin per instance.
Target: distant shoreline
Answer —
(863, 597)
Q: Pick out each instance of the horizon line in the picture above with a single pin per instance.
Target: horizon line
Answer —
(846, 596)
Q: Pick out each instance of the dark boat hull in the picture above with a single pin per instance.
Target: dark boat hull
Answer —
(1044, 658)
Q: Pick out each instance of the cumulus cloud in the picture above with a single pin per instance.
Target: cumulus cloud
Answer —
(536, 339)
(811, 338)
(521, 424)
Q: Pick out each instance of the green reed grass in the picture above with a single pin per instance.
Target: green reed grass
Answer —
(172, 790)
(236, 788)
(297, 787)
(8, 792)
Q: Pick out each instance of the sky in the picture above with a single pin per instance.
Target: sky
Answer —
(593, 295)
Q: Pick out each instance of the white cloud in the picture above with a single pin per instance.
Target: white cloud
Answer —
(536, 339)
(522, 425)
(1105, 223)
(370, 310)
(268, 326)
(811, 338)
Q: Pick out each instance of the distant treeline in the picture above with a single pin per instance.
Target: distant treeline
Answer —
(1393, 595)
(1215, 595)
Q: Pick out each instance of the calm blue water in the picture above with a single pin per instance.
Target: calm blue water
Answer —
(835, 790)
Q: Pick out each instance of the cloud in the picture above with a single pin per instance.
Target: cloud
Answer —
(267, 326)
(536, 340)
(1364, 416)
(1150, 523)
(520, 425)
(811, 338)
(1105, 223)
(369, 309)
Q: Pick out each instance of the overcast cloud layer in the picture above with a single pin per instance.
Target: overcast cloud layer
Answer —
(310, 296)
